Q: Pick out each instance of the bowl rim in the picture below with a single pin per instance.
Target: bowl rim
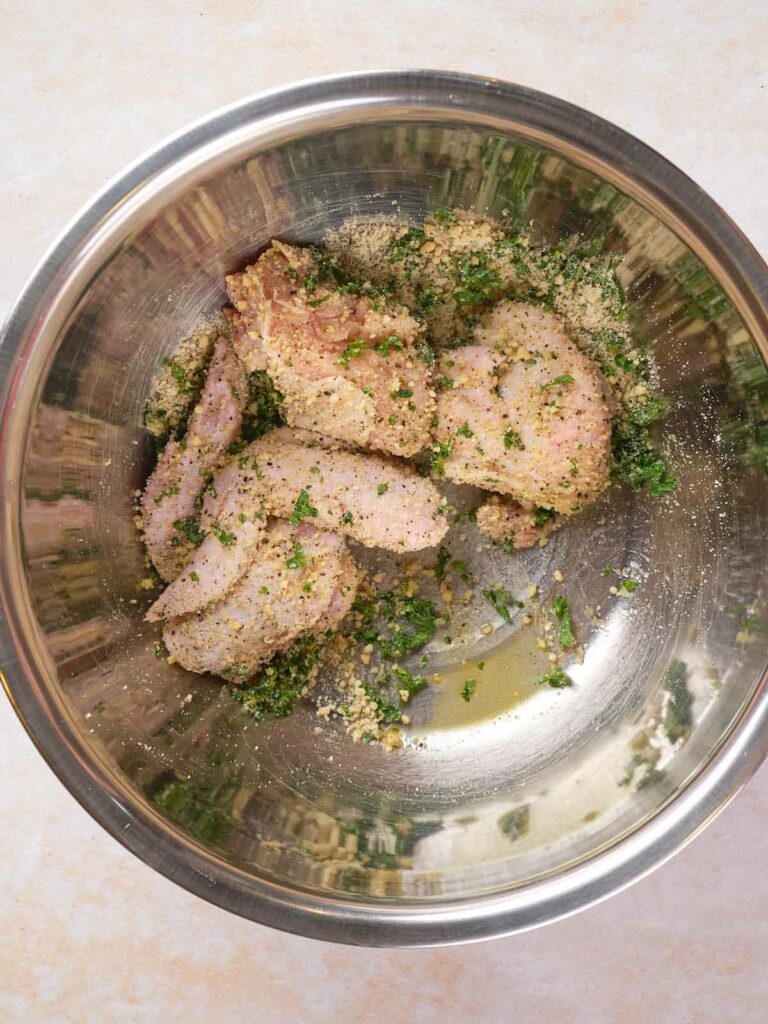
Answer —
(418, 95)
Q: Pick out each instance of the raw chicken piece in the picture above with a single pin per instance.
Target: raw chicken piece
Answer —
(180, 472)
(347, 366)
(523, 412)
(514, 522)
(376, 502)
(276, 601)
(245, 342)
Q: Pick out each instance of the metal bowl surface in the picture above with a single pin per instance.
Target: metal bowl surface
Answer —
(501, 822)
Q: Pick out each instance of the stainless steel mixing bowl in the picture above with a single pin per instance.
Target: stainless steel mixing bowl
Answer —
(497, 824)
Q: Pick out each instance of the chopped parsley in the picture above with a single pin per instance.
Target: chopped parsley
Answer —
(465, 431)
(627, 585)
(426, 300)
(276, 687)
(477, 281)
(402, 393)
(314, 303)
(190, 527)
(389, 712)
(407, 683)
(382, 489)
(179, 374)
(263, 411)
(512, 439)
(558, 679)
(297, 559)
(302, 509)
(635, 461)
(542, 515)
(563, 614)
(385, 347)
(166, 492)
(678, 717)
(225, 537)
(440, 452)
(395, 623)
(404, 245)
(194, 577)
(468, 689)
(443, 558)
(561, 381)
(347, 519)
(500, 600)
(444, 383)
(354, 349)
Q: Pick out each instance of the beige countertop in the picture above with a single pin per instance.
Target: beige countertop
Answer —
(88, 933)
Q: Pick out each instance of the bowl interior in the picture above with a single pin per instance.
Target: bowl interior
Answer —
(532, 782)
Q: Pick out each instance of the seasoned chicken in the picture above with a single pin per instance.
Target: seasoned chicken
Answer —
(179, 475)
(347, 365)
(376, 502)
(515, 523)
(523, 412)
(280, 597)
(245, 342)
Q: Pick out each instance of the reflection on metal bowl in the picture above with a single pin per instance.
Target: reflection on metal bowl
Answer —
(527, 805)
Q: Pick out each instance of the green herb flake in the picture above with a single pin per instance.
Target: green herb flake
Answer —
(397, 624)
(382, 489)
(636, 462)
(443, 558)
(298, 558)
(558, 679)
(402, 393)
(404, 245)
(477, 281)
(513, 440)
(500, 600)
(563, 615)
(225, 537)
(468, 689)
(388, 344)
(353, 351)
(347, 519)
(166, 492)
(426, 300)
(465, 431)
(194, 577)
(190, 527)
(275, 688)
(302, 509)
(440, 452)
(561, 381)
(407, 683)
(542, 516)
(678, 716)
(263, 411)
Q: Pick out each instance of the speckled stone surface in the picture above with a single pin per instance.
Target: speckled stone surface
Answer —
(87, 933)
